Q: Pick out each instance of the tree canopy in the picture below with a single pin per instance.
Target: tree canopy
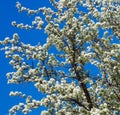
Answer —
(83, 33)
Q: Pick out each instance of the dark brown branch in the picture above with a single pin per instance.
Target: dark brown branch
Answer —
(87, 95)
(77, 102)
(83, 86)
(73, 63)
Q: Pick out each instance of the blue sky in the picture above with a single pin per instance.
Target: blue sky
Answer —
(9, 13)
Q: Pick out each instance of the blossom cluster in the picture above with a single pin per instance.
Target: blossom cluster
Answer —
(78, 40)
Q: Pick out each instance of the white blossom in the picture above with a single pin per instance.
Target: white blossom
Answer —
(82, 33)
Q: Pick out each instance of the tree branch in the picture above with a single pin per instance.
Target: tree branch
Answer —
(77, 102)
(80, 78)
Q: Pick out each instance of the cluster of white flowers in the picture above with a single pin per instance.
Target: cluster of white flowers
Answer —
(44, 113)
(38, 21)
(21, 25)
(22, 8)
(78, 40)
(25, 108)
(16, 93)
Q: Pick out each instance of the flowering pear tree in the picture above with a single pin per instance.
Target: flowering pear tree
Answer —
(80, 38)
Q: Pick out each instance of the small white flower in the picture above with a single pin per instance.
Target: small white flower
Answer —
(44, 113)
(18, 4)
(15, 36)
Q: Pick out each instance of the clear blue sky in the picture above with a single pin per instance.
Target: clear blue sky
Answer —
(8, 13)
